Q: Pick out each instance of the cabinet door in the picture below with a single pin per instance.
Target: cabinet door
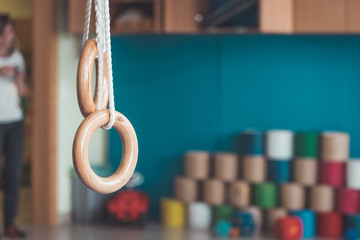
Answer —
(320, 16)
(353, 16)
(76, 10)
(277, 16)
(179, 16)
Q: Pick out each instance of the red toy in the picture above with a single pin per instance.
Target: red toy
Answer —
(289, 228)
(332, 173)
(129, 206)
(347, 201)
(330, 225)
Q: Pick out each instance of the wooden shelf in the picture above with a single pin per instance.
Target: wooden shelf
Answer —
(309, 16)
(169, 16)
(149, 8)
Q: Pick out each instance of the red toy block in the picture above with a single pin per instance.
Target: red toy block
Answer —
(330, 225)
(289, 228)
(347, 201)
(332, 173)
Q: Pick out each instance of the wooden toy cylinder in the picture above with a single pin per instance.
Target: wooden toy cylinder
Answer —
(172, 213)
(306, 145)
(279, 171)
(199, 216)
(348, 201)
(352, 174)
(272, 216)
(279, 144)
(292, 196)
(214, 192)
(226, 166)
(186, 189)
(322, 198)
(257, 216)
(332, 173)
(197, 164)
(329, 225)
(265, 195)
(254, 169)
(240, 195)
(335, 146)
(306, 171)
(251, 143)
(222, 212)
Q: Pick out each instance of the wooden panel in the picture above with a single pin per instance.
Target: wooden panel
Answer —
(76, 10)
(277, 16)
(44, 123)
(158, 15)
(179, 15)
(353, 16)
(320, 16)
(24, 33)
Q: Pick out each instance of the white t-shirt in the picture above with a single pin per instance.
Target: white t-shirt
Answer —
(10, 109)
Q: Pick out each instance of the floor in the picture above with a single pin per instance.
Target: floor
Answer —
(90, 232)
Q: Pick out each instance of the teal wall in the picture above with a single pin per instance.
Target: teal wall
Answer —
(200, 91)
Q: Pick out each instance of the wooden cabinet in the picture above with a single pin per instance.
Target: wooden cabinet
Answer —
(353, 16)
(320, 16)
(144, 16)
(127, 16)
(310, 16)
(183, 16)
(277, 16)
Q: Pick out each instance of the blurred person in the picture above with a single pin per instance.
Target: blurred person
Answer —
(12, 86)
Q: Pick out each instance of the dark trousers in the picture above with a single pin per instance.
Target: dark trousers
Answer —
(11, 147)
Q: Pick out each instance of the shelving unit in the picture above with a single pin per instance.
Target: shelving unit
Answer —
(231, 16)
(136, 16)
(144, 16)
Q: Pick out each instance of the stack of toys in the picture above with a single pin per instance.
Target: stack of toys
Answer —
(291, 185)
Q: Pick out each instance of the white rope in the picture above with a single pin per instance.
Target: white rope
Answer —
(99, 21)
(103, 39)
(109, 65)
(87, 22)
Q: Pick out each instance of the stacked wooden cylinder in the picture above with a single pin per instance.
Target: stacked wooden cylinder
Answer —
(277, 174)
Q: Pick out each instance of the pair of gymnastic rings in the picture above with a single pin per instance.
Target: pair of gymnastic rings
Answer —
(95, 119)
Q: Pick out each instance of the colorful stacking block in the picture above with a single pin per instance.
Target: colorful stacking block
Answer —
(289, 228)
(279, 171)
(245, 222)
(222, 212)
(347, 201)
(306, 144)
(308, 219)
(266, 195)
(332, 173)
(199, 215)
(251, 143)
(173, 213)
(329, 225)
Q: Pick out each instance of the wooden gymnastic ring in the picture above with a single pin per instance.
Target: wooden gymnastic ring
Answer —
(87, 102)
(81, 145)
